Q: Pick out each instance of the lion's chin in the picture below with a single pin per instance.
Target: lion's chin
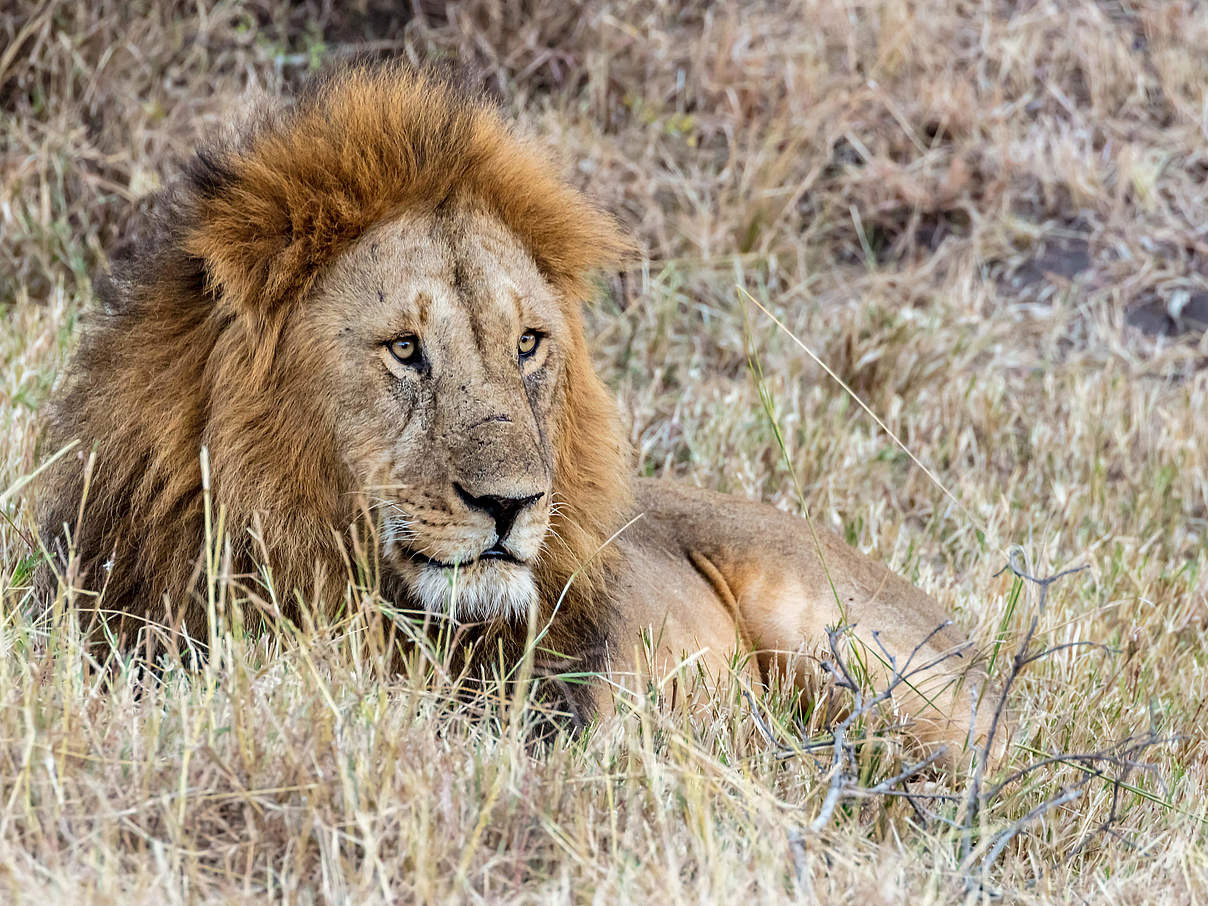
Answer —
(483, 591)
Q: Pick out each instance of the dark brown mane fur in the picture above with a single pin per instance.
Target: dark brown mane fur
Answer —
(183, 352)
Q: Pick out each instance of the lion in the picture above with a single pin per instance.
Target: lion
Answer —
(366, 309)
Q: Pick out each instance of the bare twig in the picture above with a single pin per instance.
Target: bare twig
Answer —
(1023, 657)
(1120, 756)
(1113, 764)
(843, 749)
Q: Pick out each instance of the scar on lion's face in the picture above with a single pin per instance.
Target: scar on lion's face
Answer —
(446, 348)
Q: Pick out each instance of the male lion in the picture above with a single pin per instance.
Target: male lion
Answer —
(370, 304)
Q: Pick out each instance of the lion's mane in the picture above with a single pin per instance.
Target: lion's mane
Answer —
(181, 354)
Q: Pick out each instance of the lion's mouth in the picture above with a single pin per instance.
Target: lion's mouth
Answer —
(492, 585)
(492, 553)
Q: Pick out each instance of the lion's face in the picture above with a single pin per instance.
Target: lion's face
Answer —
(442, 352)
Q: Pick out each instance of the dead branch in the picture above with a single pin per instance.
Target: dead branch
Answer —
(1113, 764)
(1095, 765)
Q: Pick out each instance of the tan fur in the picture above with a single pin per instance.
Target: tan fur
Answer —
(258, 325)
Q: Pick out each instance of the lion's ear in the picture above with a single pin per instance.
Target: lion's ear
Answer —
(264, 230)
(273, 208)
(567, 235)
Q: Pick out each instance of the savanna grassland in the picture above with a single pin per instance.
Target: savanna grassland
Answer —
(988, 218)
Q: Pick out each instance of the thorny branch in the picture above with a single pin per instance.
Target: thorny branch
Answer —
(1112, 764)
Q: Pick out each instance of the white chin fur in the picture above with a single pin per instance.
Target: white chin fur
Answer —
(482, 592)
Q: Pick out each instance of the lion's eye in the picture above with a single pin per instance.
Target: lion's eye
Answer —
(528, 342)
(405, 349)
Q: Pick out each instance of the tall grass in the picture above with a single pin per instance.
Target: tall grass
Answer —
(961, 208)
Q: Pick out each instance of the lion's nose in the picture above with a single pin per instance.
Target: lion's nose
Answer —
(503, 510)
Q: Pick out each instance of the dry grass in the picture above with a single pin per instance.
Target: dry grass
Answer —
(958, 205)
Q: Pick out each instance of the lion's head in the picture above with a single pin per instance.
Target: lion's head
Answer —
(364, 310)
(441, 356)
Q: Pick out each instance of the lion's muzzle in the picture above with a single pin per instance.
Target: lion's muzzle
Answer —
(503, 510)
